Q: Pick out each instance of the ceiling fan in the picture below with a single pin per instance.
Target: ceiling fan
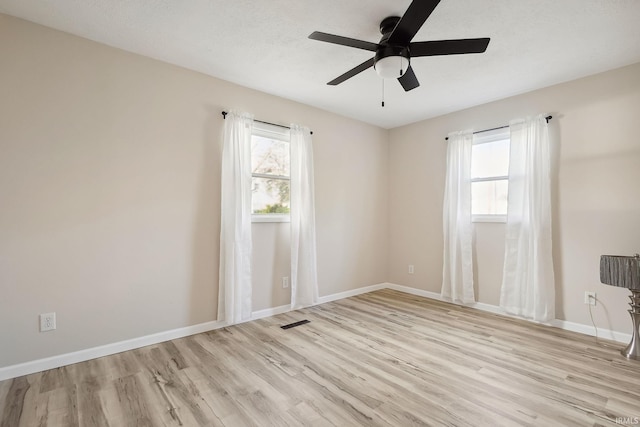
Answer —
(394, 52)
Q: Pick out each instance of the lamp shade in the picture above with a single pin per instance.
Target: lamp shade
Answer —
(621, 271)
(391, 67)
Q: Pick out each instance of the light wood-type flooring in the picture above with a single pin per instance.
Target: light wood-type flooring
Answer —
(380, 359)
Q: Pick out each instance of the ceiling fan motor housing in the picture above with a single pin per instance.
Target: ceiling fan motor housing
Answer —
(387, 26)
(397, 57)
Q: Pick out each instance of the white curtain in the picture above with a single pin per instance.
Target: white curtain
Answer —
(528, 288)
(234, 298)
(304, 276)
(457, 275)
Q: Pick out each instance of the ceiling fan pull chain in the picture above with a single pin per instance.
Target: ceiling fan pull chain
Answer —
(383, 92)
(400, 59)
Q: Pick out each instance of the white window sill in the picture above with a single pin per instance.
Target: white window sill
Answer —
(489, 218)
(271, 218)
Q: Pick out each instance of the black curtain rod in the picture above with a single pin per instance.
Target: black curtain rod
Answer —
(500, 127)
(224, 116)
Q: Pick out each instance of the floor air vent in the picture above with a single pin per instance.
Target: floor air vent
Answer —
(294, 324)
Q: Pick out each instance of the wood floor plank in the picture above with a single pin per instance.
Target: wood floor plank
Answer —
(14, 405)
(183, 403)
(384, 358)
(91, 412)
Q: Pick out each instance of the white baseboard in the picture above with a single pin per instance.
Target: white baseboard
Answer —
(433, 295)
(58, 361)
(52, 362)
(556, 323)
(608, 334)
(352, 293)
(268, 312)
(39, 365)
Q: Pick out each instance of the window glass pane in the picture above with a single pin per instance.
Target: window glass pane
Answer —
(269, 156)
(269, 196)
(489, 197)
(490, 159)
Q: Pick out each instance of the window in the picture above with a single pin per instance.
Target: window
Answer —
(270, 173)
(490, 176)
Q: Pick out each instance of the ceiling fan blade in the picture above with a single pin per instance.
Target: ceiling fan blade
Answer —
(448, 47)
(344, 41)
(352, 72)
(411, 21)
(409, 80)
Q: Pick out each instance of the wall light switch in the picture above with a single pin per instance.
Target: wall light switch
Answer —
(285, 282)
(410, 268)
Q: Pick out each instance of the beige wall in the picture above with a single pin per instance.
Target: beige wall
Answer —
(110, 188)
(271, 261)
(595, 190)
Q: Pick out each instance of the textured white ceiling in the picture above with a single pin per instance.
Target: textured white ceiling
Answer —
(264, 45)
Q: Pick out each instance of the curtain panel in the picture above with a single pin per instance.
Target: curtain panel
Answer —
(304, 275)
(457, 274)
(234, 297)
(528, 288)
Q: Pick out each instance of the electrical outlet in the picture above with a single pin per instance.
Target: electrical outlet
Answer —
(285, 282)
(590, 298)
(410, 268)
(47, 322)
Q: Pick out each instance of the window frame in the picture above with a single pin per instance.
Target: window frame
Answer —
(486, 137)
(279, 133)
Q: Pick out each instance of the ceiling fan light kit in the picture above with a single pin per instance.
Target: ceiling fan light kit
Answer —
(391, 62)
(393, 54)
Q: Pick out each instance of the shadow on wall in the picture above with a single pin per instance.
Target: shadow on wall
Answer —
(474, 261)
(556, 236)
(280, 295)
(608, 323)
(206, 232)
